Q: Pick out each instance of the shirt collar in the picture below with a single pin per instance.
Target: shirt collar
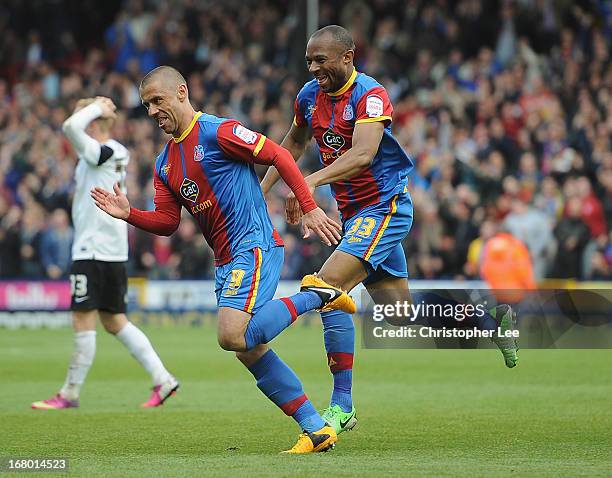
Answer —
(347, 85)
(189, 128)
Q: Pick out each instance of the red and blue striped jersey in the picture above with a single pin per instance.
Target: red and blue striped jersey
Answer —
(209, 170)
(332, 118)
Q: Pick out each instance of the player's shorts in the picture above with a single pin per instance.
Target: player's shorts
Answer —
(250, 279)
(98, 285)
(375, 236)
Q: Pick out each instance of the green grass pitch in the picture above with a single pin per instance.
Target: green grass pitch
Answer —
(421, 412)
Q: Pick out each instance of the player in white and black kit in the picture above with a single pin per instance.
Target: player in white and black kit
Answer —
(99, 252)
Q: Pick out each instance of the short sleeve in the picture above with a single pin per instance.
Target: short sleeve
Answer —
(298, 116)
(374, 105)
(239, 142)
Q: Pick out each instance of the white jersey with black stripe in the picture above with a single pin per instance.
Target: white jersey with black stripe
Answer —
(98, 236)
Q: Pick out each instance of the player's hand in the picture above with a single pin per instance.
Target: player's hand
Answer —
(327, 229)
(107, 106)
(293, 211)
(117, 204)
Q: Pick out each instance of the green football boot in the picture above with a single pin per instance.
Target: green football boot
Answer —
(339, 420)
(506, 321)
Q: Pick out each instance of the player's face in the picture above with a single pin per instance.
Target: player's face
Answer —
(329, 63)
(162, 105)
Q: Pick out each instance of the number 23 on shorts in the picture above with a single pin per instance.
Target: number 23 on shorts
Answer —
(362, 227)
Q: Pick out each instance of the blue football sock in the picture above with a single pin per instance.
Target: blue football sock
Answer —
(308, 418)
(339, 337)
(276, 315)
(343, 382)
(280, 384)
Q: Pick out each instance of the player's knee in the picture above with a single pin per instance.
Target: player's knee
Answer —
(231, 342)
(112, 324)
(111, 327)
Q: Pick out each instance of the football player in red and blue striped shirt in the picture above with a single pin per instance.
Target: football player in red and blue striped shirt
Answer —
(349, 114)
(207, 167)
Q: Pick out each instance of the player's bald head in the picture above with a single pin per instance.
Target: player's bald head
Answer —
(165, 76)
(338, 35)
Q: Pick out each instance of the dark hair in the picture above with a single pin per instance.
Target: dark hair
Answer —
(340, 35)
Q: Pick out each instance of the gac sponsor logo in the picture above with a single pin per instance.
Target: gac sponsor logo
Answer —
(328, 157)
(201, 207)
(334, 140)
(353, 239)
(189, 190)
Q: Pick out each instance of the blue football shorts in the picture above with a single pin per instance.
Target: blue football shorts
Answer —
(250, 279)
(375, 236)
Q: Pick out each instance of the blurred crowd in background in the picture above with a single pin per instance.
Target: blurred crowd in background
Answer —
(505, 107)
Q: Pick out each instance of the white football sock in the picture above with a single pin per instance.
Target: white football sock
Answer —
(141, 349)
(80, 363)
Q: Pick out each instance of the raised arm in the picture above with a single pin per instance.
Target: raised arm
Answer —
(74, 128)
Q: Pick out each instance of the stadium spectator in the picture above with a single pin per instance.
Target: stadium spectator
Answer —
(190, 258)
(605, 179)
(507, 267)
(549, 199)
(55, 245)
(30, 238)
(526, 96)
(10, 241)
(532, 227)
(475, 250)
(592, 210)
(573, 235)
